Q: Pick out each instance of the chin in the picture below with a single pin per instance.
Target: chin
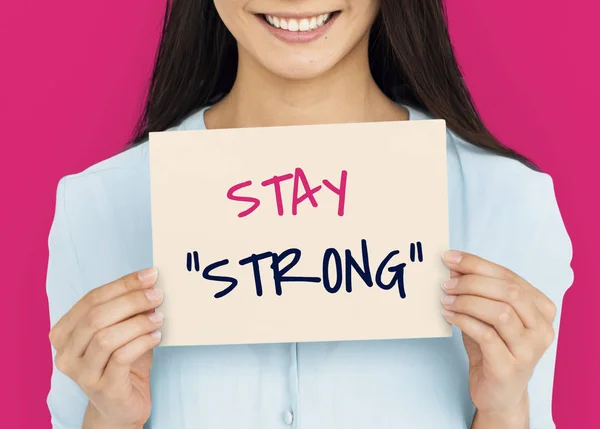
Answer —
(304, 69)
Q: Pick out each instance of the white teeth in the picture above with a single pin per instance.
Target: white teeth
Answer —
(303, 24)
(292, 25)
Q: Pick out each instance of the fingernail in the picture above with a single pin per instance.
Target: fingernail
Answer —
(156, 335)
(450, 283)
(156, 317)
(448, 299)
(447, 313)
(452, 257)
(154, 294)
(147, 276)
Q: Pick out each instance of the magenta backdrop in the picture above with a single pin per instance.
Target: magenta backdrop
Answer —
(72, 80)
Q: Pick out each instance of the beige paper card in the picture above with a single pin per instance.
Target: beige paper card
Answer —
(304, 233)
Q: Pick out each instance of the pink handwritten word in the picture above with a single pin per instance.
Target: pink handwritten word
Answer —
(300, 180)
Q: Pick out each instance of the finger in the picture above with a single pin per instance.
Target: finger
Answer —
(466, 263)
(494, 313)
(110, 339)
(62, 330)
(546, 306)
(454, 274)
(492, 347)
(512, 294)
(110, 313)
(119, 365)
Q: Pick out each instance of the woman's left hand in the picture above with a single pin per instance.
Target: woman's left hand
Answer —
(506, 325)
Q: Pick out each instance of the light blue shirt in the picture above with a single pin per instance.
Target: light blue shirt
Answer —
(499, 209)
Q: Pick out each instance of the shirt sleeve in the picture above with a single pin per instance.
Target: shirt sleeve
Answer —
(66, 401)
(547, 266)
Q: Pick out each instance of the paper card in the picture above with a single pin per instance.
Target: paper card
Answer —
(301, 233)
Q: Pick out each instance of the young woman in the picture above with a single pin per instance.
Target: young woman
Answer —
(249, 63)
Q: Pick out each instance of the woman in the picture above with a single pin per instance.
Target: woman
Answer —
(248, 63)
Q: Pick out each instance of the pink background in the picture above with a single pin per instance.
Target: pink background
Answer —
(71, 84)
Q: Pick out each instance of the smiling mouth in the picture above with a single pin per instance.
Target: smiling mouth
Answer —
(305, 24)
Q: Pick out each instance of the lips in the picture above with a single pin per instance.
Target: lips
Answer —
(298, 28)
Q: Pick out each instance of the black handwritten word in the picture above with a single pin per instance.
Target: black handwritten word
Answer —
(335, 271)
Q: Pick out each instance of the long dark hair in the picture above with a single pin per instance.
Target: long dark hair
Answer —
(410, 55)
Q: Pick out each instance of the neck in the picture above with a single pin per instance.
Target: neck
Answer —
(346, 93)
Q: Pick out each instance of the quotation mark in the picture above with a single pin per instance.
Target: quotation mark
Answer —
(419, 251)
(193, 255)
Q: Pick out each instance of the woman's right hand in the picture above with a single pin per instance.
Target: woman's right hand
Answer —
(104, 344)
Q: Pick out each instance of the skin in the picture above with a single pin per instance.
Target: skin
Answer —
(507, 327)
(298, 84)
(104, 343)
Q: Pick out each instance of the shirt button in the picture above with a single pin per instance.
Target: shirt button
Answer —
(288, 417)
